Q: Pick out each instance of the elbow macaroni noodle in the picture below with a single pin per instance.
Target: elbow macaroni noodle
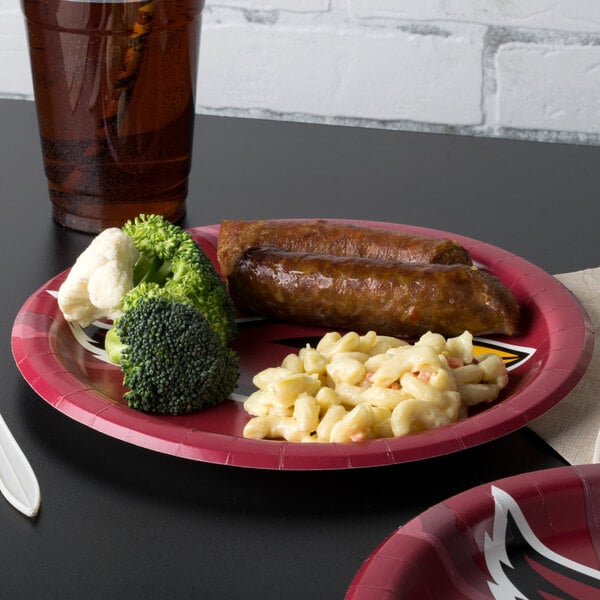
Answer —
(356, 387)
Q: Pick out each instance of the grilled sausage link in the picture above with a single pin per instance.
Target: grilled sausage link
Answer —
(334, 237)
(363, 294)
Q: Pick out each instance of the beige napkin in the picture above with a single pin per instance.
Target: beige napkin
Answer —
(572, 427)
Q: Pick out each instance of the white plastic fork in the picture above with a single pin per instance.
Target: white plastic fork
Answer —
(18, 482)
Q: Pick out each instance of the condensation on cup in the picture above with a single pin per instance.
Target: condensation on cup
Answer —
(114, 86)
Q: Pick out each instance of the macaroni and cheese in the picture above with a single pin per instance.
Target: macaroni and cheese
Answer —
(355, 387)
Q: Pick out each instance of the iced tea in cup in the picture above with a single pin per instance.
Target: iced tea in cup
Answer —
(114, 86)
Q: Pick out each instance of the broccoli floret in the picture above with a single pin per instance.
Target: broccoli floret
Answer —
(170, 258)
(172, 360)
(112, 342)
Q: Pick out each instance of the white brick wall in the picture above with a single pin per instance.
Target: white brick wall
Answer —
(347, 72)
(567, 15)
(556, 85)
(498, 68)
(15, 79)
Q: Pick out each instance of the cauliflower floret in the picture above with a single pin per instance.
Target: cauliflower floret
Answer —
(100, 277)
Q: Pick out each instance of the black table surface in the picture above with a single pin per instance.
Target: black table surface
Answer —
(120, 521)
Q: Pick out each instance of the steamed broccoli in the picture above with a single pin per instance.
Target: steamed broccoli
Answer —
(175, 323)
(170, 258)
(173, 361)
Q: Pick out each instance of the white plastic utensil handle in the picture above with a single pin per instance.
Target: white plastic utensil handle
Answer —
(596, 458)
(18, 482)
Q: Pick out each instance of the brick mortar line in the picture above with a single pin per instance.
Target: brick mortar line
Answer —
(534, 135)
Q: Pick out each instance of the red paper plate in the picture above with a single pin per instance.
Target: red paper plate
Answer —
(534, 536)
(550, 356)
